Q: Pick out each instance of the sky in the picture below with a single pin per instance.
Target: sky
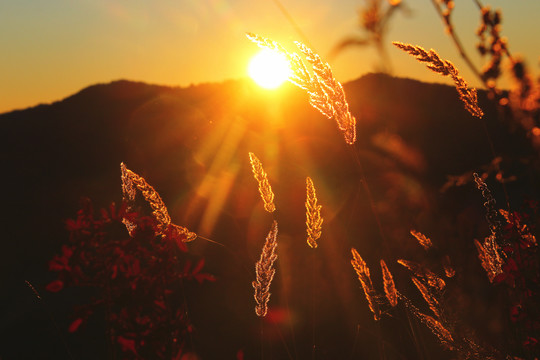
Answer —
(52, 49)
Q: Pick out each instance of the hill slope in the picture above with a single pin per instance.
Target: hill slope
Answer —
(191, 144)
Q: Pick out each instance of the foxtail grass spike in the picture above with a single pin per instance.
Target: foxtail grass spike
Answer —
(424, 273)
(428, 296)
(448, 268)
(264, 186)
(442, 333)
(444, 67)
(362, 271)
(489, 204)
(489, 252)
(300, 74)
(264, 269)
(523, 229)
(423, 240)
(132, 182)
(435, 326)
(326, 94)
(313, 214)
(490, 258)
(389, 285)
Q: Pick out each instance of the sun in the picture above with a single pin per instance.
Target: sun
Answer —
(269, 68)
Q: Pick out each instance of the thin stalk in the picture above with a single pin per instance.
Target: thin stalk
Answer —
(459, 45)
(293, 23)
(313, 278)
(110, 330)
(413, 335)
(51, 317)
(506, 51)
(355, 341)
(291, 328)
(186, 312)
(457, 42)
(367, 190)
(283, 341)
(380, 342)
(262, 338)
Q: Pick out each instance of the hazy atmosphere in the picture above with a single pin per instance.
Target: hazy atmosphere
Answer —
(51, 49)
(184, 180)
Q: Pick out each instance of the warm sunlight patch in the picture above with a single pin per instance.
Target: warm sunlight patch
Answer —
(269, 69)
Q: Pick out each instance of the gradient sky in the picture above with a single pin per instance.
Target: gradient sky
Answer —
(52, 49)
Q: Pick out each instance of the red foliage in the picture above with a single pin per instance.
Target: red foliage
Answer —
(521, 275)
(75, 325)
(240, 355)
(137, 280)
(126, 344)
(55, 286)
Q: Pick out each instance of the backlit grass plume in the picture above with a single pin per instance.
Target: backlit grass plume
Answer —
(523, 229)
(128, 193)
(423, 240)
(489, 252)
(389, 285)
(492, 216)
(300, 75)
(446, 68)
(437, 328)
(264, 186)
(424, 273)
(490, 257)
(326, 94)
(313, 214)
(362, 271)
(131, 182)
(429, 297)
(264, 269)
(448, 268)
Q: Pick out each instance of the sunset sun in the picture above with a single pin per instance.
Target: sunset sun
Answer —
(269, 69)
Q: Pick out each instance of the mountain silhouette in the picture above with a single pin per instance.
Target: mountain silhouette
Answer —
(191, 144)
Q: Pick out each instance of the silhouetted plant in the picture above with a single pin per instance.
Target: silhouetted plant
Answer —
(136, 281)
(373, 19)
(137, 276)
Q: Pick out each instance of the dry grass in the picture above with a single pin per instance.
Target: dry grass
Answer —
(435, 326)
(423, 240)
(326, 94)
(362, 271)
(267, 195)
(131, 182)
(491, 211)
(490, 252)
(264, 269)
(424, 273)
(444, 67)
(449, 270)
(444, 335)
(313, 214)
(428, 296)
(389, 285)
(490, 257)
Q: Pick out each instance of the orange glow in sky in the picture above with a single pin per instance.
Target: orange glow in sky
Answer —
(52, 49)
